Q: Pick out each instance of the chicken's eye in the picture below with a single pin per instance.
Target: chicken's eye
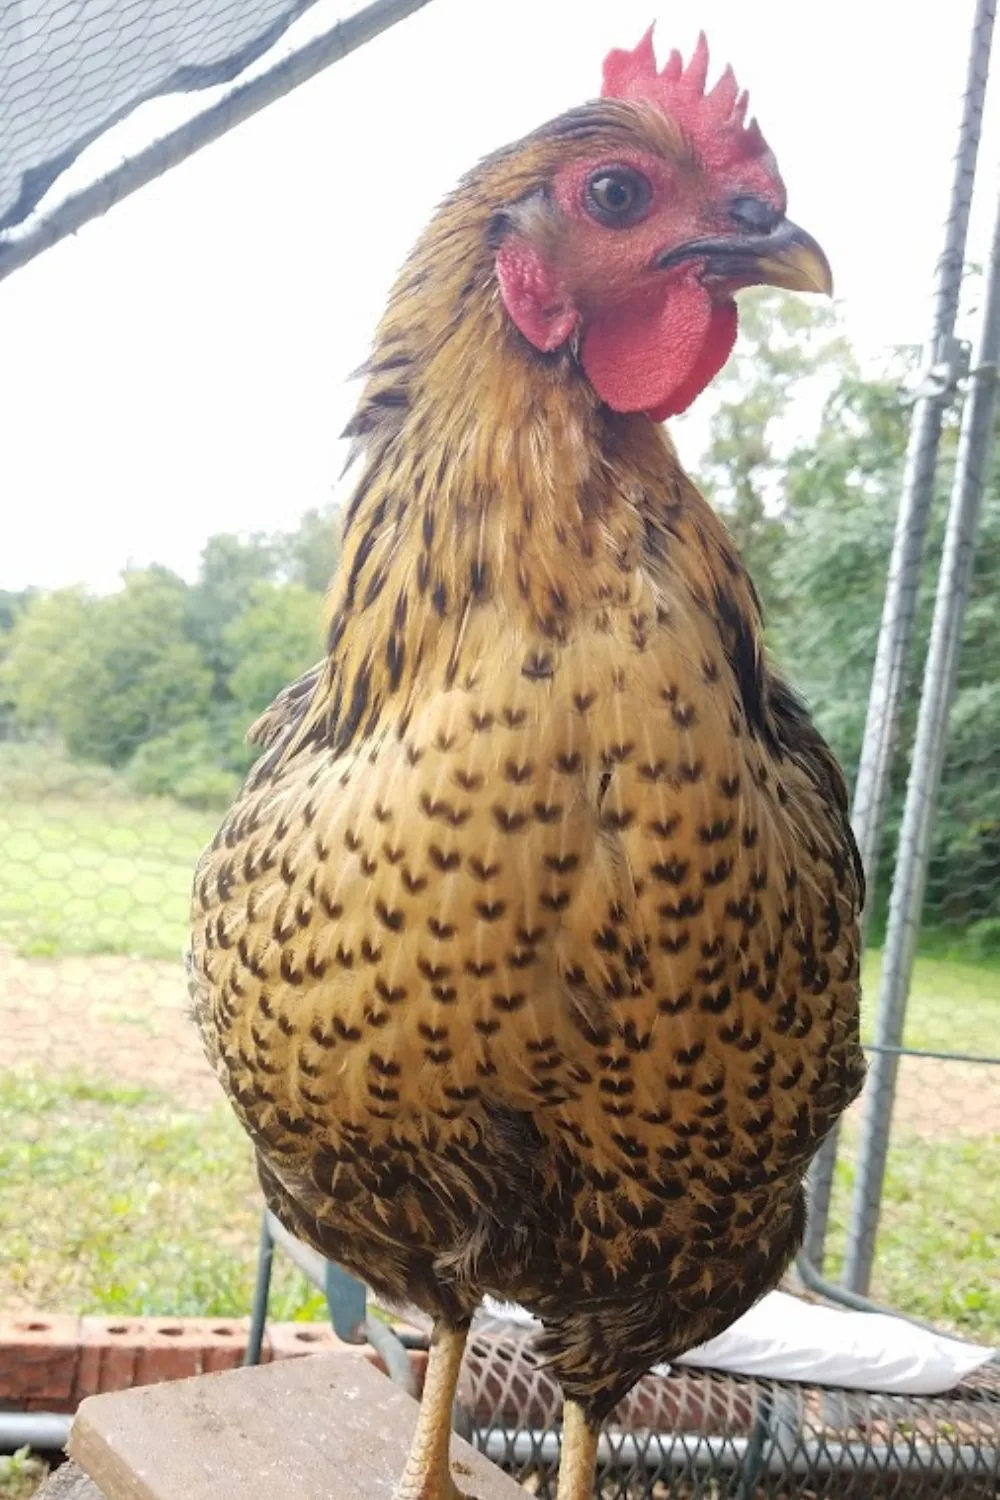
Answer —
(617, 196)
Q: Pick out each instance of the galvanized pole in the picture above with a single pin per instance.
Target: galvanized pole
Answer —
(898, 610)
(21, 244)
(974, 452)
(896, 630)
(820, 1190)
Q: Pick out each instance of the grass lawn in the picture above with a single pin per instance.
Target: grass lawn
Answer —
(87, 867)
(114, 1201)
(937, 1248)
(954, 1004)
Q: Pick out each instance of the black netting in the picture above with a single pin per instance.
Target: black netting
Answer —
(69, 69)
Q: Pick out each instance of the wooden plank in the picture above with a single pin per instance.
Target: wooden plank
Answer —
(68, 1482)
(328, 1426)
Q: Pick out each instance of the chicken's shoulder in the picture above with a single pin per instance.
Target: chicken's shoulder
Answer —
(780, 737)
(801, 741)
(282, 717)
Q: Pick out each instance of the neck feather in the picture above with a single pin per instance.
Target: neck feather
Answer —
(490, 477)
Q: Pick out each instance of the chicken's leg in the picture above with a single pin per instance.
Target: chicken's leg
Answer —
(579, 1455)
(427, 1475)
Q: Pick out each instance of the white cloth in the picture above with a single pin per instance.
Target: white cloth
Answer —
(785, 1338)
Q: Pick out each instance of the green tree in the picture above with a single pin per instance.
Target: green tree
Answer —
(230, 566)
(840, 495)
(964, 877)
(788, 350)
(13, 602)
(143, 675)
(45, 655)
(12, 605)
(276, 638)
(200, 761)
(309, 554)
(111, 672)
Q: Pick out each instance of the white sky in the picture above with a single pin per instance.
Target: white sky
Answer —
(179, 367)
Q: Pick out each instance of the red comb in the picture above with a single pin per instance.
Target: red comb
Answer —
(714, 121)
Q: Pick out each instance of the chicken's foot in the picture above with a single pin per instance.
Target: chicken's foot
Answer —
(427, 1475)
(578, 1460)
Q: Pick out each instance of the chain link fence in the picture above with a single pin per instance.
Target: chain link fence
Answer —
(940, 1204)
(702, 1435)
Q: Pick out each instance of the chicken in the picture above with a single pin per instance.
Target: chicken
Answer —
(528, 954)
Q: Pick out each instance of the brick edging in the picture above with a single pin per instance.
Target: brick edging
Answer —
(51, 1361)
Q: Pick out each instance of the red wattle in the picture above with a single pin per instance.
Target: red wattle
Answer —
(715, 351)
(534, 295)
(657, 352)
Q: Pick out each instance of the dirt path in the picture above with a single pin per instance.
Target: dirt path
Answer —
(937, 1099)
(124, 1020)
(119, 1020)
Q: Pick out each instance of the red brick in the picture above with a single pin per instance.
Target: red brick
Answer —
(108, 1353)
(174, 1349)
(224, 1331)
(88, 1371)
(121, 1352)
(38, 1355)
(54, 1362)
(293, 1340)
(47, 1403)
(225, 1343)
(162, 1359)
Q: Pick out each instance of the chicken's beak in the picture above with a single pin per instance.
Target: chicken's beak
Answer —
(790, 258)
(786, 257)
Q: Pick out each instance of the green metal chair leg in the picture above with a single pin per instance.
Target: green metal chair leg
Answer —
(261, 1294)
(346, 1300)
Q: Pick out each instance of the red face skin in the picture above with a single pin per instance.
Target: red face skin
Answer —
(650, 339)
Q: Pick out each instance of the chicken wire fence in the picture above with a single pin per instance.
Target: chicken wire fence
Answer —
(698, 1434)
(943, 1104)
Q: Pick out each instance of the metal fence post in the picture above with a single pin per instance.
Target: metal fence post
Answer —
(820, 1189)
(896, 630)
(974, 451)
(882, 722)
